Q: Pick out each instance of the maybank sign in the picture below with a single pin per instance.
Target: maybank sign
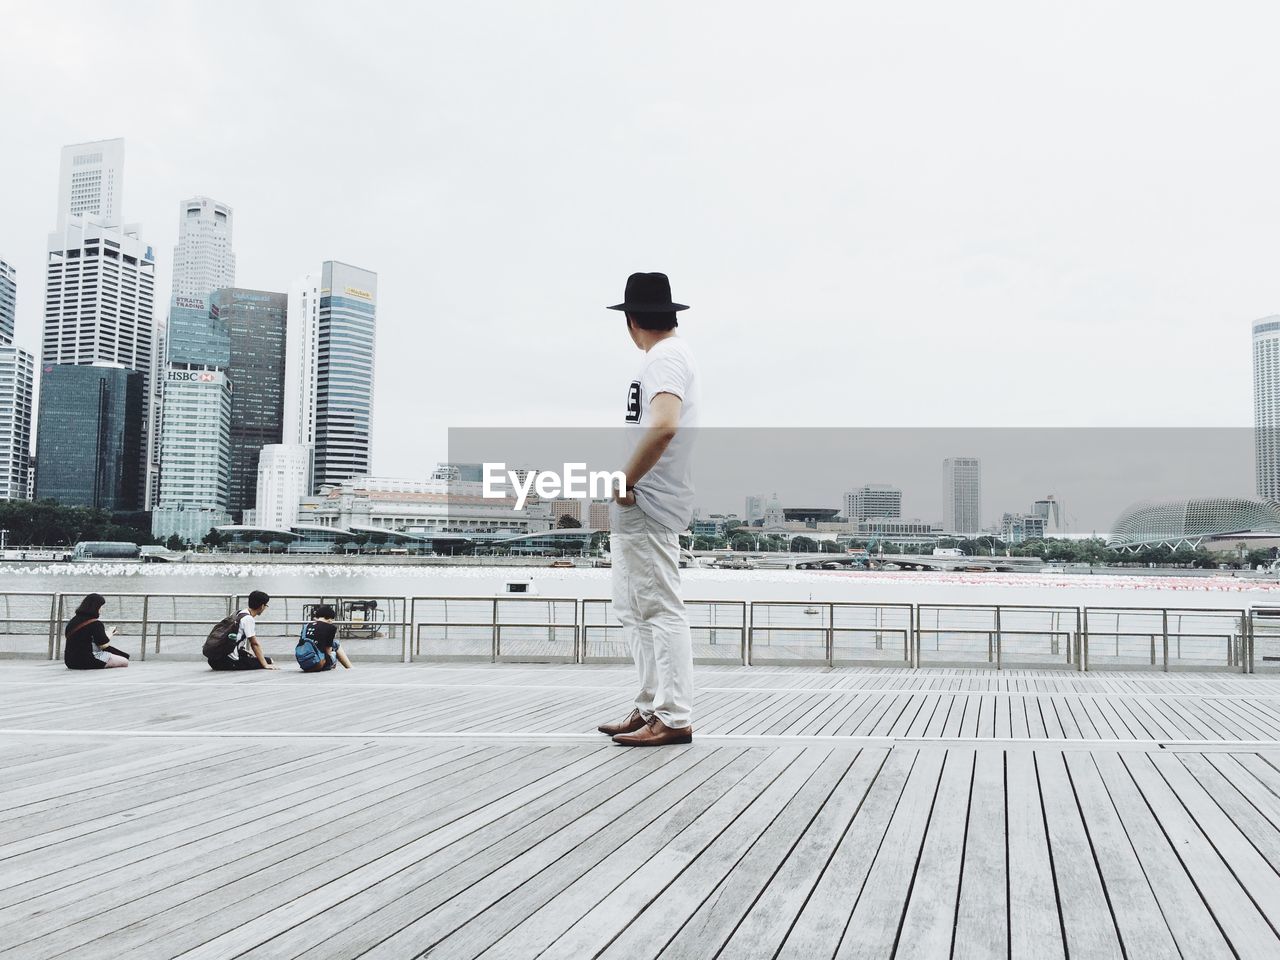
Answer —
(357, 292)
(195, 376)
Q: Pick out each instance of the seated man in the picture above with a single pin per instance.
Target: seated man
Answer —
(246, 654)
(318, 648)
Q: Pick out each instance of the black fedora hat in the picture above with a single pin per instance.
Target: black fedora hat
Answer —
(648, 293)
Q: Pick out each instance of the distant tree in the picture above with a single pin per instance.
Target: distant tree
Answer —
(830, 546)
(804, 545)
(213, 538)
(361, 540)
(174, 542)
(742, 543)
(567, 522)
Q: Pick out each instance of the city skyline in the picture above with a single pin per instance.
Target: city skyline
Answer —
(483, 209)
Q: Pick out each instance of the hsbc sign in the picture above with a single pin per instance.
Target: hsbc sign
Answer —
(194, 376)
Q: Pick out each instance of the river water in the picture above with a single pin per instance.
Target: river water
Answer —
(819, 585)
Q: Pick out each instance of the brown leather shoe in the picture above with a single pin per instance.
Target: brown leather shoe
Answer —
(656, 734)
(635, 721)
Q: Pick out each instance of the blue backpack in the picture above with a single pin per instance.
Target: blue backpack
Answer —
(309, 655)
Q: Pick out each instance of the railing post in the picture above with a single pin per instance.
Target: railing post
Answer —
(494, 654)
(831, 634)
(742, 632)
(1164, 632)
(1083, 653)
(406, 615)
(913, 624)
(748, 635)
(57, 627)
(146, 626)
(999, 640)
(55, 601)
(578, 617)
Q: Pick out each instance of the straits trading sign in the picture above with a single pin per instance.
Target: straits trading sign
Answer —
(357, 292)
(195, 376)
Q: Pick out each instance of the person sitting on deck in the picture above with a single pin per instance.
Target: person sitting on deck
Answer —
(247, 653)
(318, 648)
(88, 641)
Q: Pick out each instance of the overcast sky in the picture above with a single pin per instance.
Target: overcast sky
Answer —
(937, 214)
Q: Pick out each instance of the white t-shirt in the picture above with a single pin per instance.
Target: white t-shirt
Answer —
(665, 493)
(248, 628)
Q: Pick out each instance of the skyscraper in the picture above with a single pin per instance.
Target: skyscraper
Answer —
(195, 433)
(8, 301)
(99, 303)
(1266, 406)
(91, 182)
(329, 370)
(99, 296)
(302, 339)
(203, 261)
(962, 495)
(255, 323)
(17, 377)
(191, 459)
(90, 436)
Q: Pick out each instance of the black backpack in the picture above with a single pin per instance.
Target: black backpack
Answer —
(222, 638)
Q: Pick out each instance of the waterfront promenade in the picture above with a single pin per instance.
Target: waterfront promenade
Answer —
(467, 810)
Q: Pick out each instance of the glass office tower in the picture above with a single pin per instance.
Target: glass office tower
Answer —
(255, 325)
(91, 434)
(344, 372)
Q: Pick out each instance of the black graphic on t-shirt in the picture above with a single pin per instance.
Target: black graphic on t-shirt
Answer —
(633, 402)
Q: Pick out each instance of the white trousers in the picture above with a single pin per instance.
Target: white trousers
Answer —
(646, 601)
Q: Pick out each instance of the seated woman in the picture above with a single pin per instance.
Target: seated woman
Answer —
(88, 641)
(318, 648)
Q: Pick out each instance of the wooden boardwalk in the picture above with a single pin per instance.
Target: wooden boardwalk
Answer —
(466, 811)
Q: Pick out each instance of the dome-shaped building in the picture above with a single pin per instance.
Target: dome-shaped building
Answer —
(1189, 523)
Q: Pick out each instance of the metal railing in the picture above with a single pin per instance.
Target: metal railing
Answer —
(718, 629)
(501, 629)
(541, 629)
(837, 633)
(1166, 638)
(997, 635)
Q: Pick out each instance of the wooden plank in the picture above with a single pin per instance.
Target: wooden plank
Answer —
(457, 890)
(1129, 891)
(628, 886)
(1035, 930)
(1233, 911)
(171, 877)
(981, 929)
(1087, 921)
(239, 912)
(721, 884)
(1183, 910)
(766, 924)
(1242, 837)
(931, 910)
(877, 915)
(822, 922)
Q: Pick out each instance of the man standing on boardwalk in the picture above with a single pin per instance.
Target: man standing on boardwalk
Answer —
(646, 519)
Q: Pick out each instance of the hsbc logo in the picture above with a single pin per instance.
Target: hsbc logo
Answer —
(193, 376)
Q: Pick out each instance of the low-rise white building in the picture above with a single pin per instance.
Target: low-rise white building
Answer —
(419, 506)
(284, 478)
